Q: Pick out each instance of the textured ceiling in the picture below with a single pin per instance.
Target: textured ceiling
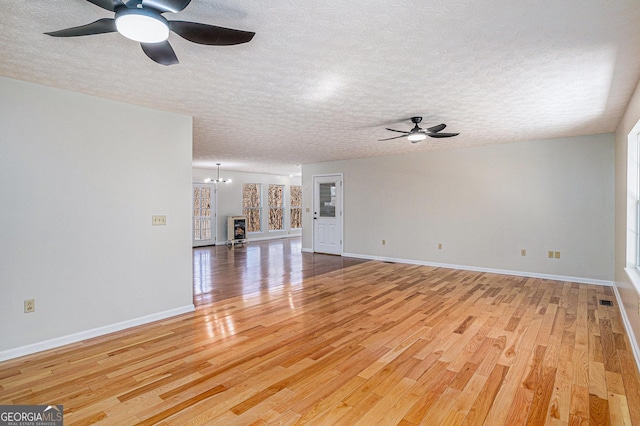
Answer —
(320, 81)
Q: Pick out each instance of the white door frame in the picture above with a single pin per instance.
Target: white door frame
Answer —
(339, 214)
(214, 215)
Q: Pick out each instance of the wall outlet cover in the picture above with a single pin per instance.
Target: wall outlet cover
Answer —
(158, 220)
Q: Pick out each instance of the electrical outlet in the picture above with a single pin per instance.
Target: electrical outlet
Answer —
(159, 220)
(550, 254)
(29, 306)
(523, 252)
(439, 246)
(556, 255)
(384, 242)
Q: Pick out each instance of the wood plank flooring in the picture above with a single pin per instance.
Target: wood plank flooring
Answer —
(220, 273)
(351, 343)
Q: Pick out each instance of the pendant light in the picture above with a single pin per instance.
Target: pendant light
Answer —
(218, 180)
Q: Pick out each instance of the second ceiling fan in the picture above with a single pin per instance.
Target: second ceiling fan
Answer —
(418, 133)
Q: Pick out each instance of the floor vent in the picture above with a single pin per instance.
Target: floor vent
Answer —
(606, 302)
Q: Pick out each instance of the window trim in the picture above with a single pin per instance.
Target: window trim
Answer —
(270, 207)
(259, 209)
(632, 235)
(292, 207)
(636, 180)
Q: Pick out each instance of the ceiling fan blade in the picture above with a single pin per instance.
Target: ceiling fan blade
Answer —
(396, 137)
(161, 53)
(399, 131)
(162, 6)
(442, 135)
(107, 4)
(209, 34)
(101, 26)
(436, 129)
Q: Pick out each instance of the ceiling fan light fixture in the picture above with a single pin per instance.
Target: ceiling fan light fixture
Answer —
(416, 137)
(142, 25)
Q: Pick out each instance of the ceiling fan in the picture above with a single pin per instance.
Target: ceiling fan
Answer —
(142, 21)
(418, 133)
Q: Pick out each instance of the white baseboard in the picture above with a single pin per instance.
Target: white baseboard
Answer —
(306, 250)
(627, 325)
(88, 334)
(489, 270)
(275, 237)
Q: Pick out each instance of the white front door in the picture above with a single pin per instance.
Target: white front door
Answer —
(327, 214)
(204, 214)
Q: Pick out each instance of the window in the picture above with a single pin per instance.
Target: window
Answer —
(296, 206)
(201, 213)
(327, 199)
(637, 193)
(632, 254)
(251, 206)
(276, 207)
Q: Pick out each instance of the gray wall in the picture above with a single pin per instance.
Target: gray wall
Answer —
(81, 178)
(483, 205)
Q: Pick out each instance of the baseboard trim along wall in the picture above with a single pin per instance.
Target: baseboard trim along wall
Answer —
(89, 334)
(627, 325)
(489, 270)
(275, 237)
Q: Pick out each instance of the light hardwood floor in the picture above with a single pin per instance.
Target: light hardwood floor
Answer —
(283, 337)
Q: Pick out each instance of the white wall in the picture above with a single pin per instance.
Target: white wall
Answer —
(229, 199)
(81, 178)
(484, 205)
(625, 209)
